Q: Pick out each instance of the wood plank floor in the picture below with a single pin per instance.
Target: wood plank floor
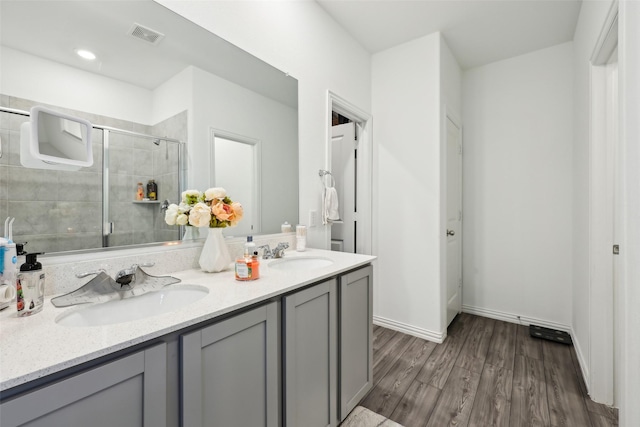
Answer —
(486, 373)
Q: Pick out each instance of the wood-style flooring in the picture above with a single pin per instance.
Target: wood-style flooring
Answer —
(486, 373)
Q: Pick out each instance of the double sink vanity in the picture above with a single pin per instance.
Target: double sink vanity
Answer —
(293, 348)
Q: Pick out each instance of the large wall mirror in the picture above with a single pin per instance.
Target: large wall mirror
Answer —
(164, 96)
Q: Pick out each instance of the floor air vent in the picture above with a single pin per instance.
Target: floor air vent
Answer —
(550, 334)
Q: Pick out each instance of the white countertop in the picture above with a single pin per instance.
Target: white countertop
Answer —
(36, 346)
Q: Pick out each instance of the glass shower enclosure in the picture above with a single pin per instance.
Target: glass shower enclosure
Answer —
(97, 206)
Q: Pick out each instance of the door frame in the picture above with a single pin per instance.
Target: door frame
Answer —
(603, 179)
(365, 234)
(449, 114)
(257, 181)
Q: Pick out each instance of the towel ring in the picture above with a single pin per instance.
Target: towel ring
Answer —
(323, 173)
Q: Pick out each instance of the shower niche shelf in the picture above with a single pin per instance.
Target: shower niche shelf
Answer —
(146, 202)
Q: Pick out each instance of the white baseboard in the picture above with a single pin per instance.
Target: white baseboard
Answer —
(515, 318)
(409, 329)
(583, 364)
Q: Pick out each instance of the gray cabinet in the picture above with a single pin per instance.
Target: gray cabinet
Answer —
(356, 337)
(230, 371)
(310, 365)
(127, 392)
(253, 369)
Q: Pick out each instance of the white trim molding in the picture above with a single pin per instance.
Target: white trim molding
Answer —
(437, 337)
(515, 318)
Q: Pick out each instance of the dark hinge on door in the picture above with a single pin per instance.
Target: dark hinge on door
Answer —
(616, 249)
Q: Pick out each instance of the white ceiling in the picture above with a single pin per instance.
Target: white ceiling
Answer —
(53, 29)
(477, 31)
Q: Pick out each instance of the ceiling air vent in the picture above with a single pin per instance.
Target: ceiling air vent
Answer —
(147, 34)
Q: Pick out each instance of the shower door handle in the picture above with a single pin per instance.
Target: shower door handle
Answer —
(107, 228)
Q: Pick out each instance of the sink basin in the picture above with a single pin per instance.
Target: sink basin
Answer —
(300, 263)
(134, 308)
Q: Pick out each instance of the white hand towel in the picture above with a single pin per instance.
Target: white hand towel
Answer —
(330, 206)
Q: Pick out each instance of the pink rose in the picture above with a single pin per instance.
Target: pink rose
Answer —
(221, 211)
(238, 212)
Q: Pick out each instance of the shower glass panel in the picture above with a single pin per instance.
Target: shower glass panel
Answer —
(60, 211)
(133, 159)
(54, 210)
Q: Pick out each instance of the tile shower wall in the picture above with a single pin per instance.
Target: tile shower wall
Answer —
(60, 211)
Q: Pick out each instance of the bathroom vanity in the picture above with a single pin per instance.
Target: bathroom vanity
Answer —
(293, 348)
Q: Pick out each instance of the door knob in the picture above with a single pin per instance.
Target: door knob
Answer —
(451, 233)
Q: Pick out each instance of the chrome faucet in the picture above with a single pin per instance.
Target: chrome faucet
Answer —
(266, 252)
(127, 276)
(278, 252)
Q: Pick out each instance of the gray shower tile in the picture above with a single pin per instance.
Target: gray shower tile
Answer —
(13, 152)
(46, 243)
(141, 237)
(168, 187)
(4, 187)
(96, 147)
(123, 188)
(4, 145)
(80, 186)
(122, 216)
(4, 209)
(174, 127)
(120, 160)
(33, 184)
(21, 103)
(78, 217)
(142, 162)
(143, 143)
(143, 217)
(121, 239)
(33, 217)
(4, 117)
(72, 242)
(167, 235)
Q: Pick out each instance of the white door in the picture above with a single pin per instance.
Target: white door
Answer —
(235, 170)
(343, 169)
(454, 220)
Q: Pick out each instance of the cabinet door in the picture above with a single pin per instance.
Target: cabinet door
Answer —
(310, 319)
(128, 392)
(356, 338)
(230, 372)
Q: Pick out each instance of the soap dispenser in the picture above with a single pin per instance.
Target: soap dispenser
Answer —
(30, 286)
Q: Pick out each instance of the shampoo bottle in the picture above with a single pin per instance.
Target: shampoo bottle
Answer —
(30, 287)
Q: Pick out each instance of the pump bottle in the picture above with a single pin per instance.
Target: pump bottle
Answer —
(30, 286)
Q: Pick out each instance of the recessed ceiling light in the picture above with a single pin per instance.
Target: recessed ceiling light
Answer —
(86, 54)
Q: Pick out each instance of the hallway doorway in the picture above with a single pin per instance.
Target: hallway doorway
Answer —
(349, 159)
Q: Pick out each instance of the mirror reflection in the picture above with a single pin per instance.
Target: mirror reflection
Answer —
(144, 97)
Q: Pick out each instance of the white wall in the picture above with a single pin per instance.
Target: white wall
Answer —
(450, 80)
(221, 105)
(30, 77)
(517, 181)
(173, 96)
(406, 111)
(301, 39)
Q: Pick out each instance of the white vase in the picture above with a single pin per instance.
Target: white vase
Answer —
(215, 255)
(191, 233)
